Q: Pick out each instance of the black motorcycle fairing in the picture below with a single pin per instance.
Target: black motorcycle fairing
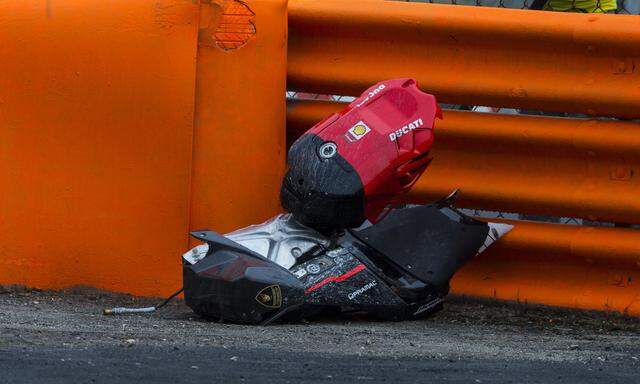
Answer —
(396, 269)
(236, 284)
(339, 279)
(346, 280)
(324, 194)
(425, 241)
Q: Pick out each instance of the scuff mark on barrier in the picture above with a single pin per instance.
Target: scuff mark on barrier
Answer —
(226, 24)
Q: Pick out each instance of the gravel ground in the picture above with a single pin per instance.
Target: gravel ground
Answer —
(468, 340)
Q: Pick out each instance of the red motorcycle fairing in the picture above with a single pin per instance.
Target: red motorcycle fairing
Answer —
(355, 163)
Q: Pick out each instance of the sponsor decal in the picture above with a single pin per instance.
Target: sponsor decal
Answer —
(313, 268)
(360, 291)
(358, 131)
(300, 272)
(393, 136)
(270, 297)
(371, 94)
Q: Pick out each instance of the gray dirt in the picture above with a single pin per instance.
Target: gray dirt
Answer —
(63, 337)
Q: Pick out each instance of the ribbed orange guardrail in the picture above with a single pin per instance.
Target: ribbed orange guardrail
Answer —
(537, 165)
(560, 265)
(473, 56)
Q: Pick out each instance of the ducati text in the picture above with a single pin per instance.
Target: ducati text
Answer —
(393, 136)
(371, 94)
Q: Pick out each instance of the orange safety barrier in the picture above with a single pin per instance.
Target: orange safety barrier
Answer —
(559, 265)
(583, 63)
(96, 114)
(515, 163)
(124, 125)
(536, 165)
(99, 183)
(239, 143)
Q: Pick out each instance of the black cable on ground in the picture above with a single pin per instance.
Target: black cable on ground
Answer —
(168, 299)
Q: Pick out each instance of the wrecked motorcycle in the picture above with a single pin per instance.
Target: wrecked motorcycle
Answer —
(349, 243)
(396, 269)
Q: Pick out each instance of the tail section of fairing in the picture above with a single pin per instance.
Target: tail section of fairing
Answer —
(398, 268)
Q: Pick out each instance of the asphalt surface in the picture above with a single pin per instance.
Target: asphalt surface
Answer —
(49, 337)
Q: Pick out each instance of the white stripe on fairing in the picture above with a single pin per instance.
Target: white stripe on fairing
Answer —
(496, 231)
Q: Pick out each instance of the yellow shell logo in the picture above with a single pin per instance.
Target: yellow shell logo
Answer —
(359, 130)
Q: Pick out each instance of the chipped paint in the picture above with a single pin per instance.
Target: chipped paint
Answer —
(226, 24)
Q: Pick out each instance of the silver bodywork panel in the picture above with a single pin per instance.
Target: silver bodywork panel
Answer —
(281, 239)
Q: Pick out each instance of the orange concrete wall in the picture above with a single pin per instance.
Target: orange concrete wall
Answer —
(239, 147)
(96, 110)
(97, 103)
